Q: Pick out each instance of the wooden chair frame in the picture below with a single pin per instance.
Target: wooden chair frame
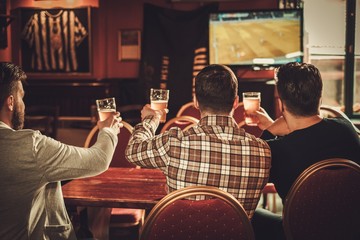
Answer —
(237, 115)
(191, 104)
(334, 112)
(191, 191)
(116, 211)
(189, 126)
(181, 119)
(184, 107)
(96, 128)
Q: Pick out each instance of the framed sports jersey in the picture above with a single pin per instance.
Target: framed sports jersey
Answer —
(4, 22)
(56, 40)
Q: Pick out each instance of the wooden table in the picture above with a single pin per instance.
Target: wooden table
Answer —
(117, 188)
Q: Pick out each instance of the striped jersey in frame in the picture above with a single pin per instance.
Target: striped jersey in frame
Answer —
(54, 39)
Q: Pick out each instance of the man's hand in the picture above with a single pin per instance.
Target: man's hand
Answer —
(113, 122)
(278, 127)
(148, 111)
(264, 120)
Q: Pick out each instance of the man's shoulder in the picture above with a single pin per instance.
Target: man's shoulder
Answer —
(22, 133)
(256, 140)
(340, 124)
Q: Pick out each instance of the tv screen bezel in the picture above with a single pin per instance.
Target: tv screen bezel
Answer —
(261, 65)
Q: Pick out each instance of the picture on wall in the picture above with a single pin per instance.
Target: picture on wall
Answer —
(56, 40)
(3, 25)
(129, 46)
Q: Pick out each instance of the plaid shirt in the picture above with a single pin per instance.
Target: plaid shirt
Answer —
(216, 152)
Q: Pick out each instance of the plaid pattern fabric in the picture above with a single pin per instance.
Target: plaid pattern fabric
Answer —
(216, 152)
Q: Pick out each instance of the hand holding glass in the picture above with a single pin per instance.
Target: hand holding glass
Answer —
(251, 102)
(159, 100)
(106, 107)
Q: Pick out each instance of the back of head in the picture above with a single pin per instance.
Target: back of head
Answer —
(10, 74)
(299, 87)
(216, 88)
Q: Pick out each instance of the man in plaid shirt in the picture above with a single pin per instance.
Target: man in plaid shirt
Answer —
(215, 152)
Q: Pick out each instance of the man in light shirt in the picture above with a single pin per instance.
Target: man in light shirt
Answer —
(32, 166)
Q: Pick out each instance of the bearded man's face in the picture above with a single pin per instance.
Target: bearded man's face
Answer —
(19, 109)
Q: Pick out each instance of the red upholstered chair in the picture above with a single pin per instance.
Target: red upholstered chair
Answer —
(189, 126)
(254, 130)
(119, 159)
(239, 114)
(188, 109)
(323, 203)
(120, 217)
(269, 189)
(181, 122)
(131, 113)
(218, 216)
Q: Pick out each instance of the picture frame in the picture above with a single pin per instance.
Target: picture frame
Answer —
(129, 45)
(55, 41)
(3, 25)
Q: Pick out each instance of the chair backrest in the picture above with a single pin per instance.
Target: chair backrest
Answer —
(218, 216)
(181, 122)
(239, 116)
(119, 159)
(189, 126)
(239, 113)
(332, 112)
(188, 109)
(254, 130)
(43, 118)
(131, 113)
(323, 202)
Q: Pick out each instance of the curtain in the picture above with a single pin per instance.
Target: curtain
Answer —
(173, 42)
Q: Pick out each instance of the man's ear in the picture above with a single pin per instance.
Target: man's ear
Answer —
(280, 105)
(236, 103)
(196, 103)
(10, 101)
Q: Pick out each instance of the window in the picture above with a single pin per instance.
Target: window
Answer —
(356, 77)
(325, 41)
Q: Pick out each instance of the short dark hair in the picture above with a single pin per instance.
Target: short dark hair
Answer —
(216, 88)
(10, 74)
(300, 86)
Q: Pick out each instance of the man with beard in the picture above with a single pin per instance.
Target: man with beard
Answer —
(32, 166)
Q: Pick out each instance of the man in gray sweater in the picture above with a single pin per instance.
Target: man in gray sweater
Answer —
(32, 166)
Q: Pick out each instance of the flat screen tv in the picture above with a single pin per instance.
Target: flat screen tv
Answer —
(256, 38)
